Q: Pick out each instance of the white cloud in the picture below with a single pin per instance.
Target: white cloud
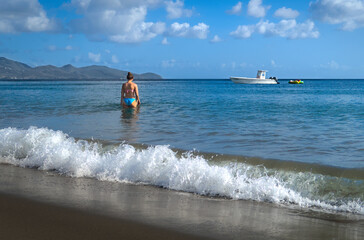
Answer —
(185, 30)
(256, 9)
(236, 10)
(176, 10)
(94, 57)
(120, 21)
(92, 5)
(142, 32)
(124, 21)
(38, 23)
(286, 13)
(216, 39)
(52, 48)
(332, 65)
(273, 63)
(24, 16)
(285, 28)
(81, 3)
(168, 63)
(348, 13)
(114, 59)
(243, 31)
(55, 48)
(165, 41)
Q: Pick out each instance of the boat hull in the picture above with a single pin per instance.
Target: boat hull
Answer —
(244, 80)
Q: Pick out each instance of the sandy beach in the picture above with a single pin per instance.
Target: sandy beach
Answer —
(22, 218)
(43, 205)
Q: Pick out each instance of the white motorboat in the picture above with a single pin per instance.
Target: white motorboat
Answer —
(260, 79)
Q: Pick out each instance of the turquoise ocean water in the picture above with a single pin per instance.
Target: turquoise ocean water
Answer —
(300, 145)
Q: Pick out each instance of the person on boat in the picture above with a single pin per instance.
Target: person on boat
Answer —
(130, 93)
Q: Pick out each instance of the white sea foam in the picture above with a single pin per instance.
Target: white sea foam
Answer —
(160, 166)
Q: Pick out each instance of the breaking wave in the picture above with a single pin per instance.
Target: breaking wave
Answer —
(161, 166)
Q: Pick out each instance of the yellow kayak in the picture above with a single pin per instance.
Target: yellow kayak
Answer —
(296, 81)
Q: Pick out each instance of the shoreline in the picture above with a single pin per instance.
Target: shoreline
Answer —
(21, 218)
(43, 204)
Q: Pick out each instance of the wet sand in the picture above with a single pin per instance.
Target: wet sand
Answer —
(43, 205)
(26, 219)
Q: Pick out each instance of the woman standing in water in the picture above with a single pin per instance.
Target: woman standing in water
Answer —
(130, 93)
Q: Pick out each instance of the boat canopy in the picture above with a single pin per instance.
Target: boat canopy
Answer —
(261, 74)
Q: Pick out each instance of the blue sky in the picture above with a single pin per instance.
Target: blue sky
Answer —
(189, 39)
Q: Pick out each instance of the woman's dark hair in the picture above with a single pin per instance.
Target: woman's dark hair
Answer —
(130, 76)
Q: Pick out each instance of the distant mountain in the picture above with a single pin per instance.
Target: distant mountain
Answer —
(10, 69)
